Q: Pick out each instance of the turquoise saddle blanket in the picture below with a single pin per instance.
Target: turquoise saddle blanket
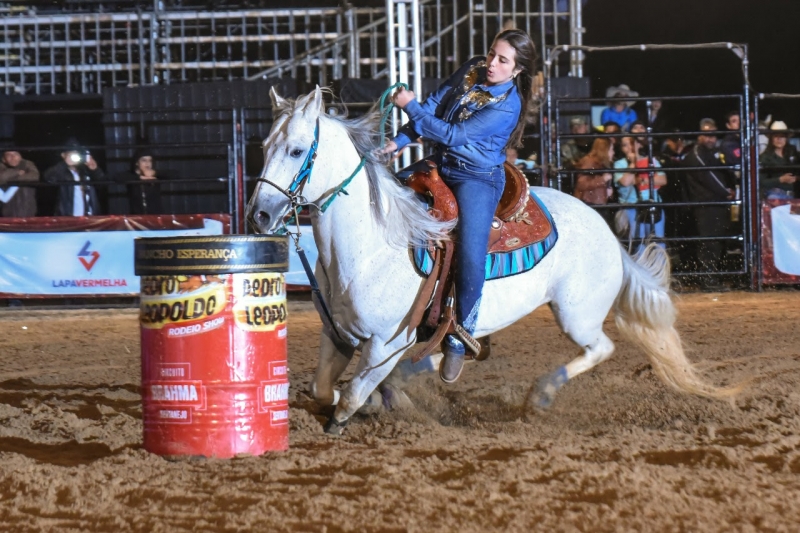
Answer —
(505, 264)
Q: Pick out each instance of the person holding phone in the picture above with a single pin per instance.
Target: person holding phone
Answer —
(142, 182)
(75, 171)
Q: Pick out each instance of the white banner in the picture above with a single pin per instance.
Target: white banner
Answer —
(77, 263)
(786, 239)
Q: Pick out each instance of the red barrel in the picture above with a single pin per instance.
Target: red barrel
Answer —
(213, 334)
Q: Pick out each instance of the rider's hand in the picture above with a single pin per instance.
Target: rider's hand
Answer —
(788, 178)
(402, 97)
(90, 162)
(390, 147)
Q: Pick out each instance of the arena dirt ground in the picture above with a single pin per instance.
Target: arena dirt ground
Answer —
(616, 452)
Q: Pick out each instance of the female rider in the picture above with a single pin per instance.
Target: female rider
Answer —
(473, 117)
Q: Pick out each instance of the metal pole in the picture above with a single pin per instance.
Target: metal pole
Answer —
(471, 29)
(579, 29)
(237, 165)
(549, 126)
(651, 213)
(573, 54)
(391, 28)
(416, 27)
(153, 36)
(755, 197)
(753, 231)
(352, 53)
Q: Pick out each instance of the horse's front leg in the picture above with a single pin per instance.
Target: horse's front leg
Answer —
(333, 359)
(378, 358)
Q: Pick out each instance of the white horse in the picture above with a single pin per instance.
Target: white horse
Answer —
(367, 277)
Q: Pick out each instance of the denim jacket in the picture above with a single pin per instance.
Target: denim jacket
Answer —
(470, 121)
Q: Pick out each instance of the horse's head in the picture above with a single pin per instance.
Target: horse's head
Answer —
(288, 156)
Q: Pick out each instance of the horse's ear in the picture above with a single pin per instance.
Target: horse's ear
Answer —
(315, 103)
(277, 101)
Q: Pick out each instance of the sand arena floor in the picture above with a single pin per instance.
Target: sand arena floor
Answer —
(616, 452)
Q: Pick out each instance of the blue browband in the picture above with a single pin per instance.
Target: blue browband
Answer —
(304, 174)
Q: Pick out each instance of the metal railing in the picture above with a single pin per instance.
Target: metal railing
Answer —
(86, 52)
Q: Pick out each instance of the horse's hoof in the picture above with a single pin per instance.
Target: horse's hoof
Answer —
(335, 428)
(548, 386)
(394, 397)
(373, 404)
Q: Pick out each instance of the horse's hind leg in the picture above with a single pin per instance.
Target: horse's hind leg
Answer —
(589, 335)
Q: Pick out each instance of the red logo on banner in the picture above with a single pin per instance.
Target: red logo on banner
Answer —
(84, 253)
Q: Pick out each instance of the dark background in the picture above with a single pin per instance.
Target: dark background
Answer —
(770, 28)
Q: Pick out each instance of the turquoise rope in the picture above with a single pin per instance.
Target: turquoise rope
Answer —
(386, 109)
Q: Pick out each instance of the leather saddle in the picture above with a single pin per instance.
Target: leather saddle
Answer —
(518, 222)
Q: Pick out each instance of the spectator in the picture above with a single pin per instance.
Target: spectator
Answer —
(730, 146)
(638, 127)
(709, 186)
(77, 168)
(512, 156)
(144, 189)
(595, 188)
(655, 119)
(574, 149)
(778, 184)
(634, 187)
(18, 202)
(613, 127)
(620, 111)
(680, 221)
(674, 149)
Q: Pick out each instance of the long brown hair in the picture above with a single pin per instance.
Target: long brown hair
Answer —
(599, 153)
(525, 60)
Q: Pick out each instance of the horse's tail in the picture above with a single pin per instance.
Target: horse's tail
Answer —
(646, 315)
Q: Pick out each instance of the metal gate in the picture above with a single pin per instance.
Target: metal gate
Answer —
(740, 257)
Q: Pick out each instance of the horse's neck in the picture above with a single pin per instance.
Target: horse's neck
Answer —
(346, 232)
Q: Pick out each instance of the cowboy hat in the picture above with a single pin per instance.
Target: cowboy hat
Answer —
(778, 125)
(622, 90)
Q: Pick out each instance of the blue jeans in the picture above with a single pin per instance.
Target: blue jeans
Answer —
(644, 227)
(477, 194)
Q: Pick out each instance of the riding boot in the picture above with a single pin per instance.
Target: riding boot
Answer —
(452, 363)
(454, 350)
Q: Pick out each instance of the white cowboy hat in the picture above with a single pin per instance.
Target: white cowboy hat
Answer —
(623, 89)
(778, 125)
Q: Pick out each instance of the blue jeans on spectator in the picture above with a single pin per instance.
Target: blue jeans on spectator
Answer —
(779, 194)
(477, 193)
(644, 227)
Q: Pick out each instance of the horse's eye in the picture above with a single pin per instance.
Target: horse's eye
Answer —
(297, 152)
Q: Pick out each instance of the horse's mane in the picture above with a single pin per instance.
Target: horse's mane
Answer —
(403, 217)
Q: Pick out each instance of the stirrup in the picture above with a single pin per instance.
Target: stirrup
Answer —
(469, 341)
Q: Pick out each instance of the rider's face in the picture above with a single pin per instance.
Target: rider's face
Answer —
(500, 63)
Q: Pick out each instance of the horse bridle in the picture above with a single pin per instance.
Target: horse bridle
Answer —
(295, 190)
